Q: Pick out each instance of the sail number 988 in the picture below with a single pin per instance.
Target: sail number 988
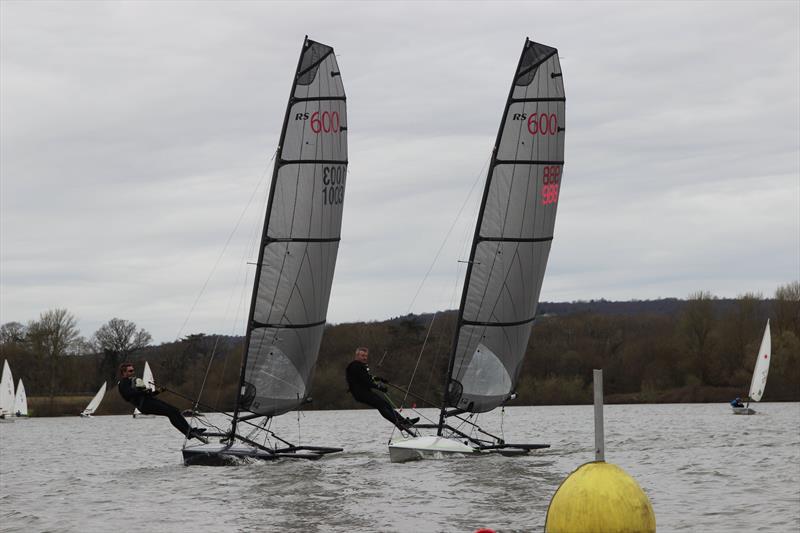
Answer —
(333, 179)
(551, 179)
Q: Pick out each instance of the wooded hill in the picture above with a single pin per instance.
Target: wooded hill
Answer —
(669, 350)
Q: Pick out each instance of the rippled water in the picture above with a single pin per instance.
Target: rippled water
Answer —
(703, 469)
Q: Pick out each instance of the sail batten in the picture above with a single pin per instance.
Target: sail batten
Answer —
(512, 238)
(300, 240)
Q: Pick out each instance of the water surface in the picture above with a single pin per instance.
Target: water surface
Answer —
(703, 469)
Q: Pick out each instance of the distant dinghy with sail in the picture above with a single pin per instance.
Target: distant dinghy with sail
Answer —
(150, 383)
(95, 403)
(6, 394)
(295, 267)
(21, 401)
(759, 381)
(506, 265)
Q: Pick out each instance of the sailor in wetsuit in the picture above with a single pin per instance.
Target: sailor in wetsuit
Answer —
(361, 384)
(134, 391)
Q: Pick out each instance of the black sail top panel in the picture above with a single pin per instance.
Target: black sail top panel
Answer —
(513, 235)
(300, 240)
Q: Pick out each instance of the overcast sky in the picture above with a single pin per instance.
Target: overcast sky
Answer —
(136, 144)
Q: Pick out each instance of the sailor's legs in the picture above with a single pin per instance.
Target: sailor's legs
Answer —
(154, 406)
(385, 409)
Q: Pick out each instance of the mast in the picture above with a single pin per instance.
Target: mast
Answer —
(521, 219)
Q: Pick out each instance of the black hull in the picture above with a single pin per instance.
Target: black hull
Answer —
(221, 455)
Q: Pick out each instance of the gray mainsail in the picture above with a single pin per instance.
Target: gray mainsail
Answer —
(299, 242)
(512, 238)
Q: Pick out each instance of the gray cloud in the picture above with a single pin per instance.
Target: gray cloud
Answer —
(133, 135)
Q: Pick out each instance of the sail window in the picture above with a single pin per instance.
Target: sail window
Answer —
(486, 375)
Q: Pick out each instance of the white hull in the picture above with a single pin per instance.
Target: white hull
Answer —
(431, 447)
(743, 411)
(142, 415)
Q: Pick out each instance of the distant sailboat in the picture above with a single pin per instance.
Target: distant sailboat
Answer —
(760, 372)
(95, 403)
(506, 265)
(20, 401)
(294, 272)
(7, 394)
(149, 382)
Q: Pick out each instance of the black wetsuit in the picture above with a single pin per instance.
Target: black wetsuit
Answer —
(144, 400)
(361, 385)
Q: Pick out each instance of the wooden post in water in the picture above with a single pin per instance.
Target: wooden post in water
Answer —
(599, 445)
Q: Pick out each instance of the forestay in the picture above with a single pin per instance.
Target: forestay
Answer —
(512, 237)
(761, 369)
(300, 240)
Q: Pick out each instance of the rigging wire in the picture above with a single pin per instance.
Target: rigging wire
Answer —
(224, 249)
(447, 235)
(425, 277)
(230, 299)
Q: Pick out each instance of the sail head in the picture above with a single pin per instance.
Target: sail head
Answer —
(300, 241)
(513, 235)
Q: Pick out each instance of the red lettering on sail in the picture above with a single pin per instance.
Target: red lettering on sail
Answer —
(325, 122)
(543, 124)
(551, 180)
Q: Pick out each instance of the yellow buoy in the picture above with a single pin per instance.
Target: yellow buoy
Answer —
(600, 497)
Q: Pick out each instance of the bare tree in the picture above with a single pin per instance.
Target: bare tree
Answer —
(118, 339)
(53, 336)
(12, 332)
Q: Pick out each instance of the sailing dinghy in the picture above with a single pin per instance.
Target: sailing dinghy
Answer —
(149, 382)
(506, 265)
(95, 403)
(759, 380)
(20, 401)
(6, 394)
(294, 272)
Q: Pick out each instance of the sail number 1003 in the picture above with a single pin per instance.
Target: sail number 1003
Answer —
(333, 179)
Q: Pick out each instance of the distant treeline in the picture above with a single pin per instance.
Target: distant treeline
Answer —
(668, 350)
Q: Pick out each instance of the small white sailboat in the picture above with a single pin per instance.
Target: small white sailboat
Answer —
(95, 403)
(760, 372)
(6, 394)
(147, 377)
(20, 401)
(506, 266)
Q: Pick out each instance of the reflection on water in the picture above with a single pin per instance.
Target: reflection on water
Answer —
(703, 469)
